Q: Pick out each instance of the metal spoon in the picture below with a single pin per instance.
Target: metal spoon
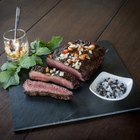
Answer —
(17, 21)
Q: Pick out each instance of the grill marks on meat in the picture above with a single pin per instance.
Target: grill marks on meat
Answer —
(69, 82)
(87, 66)
(35, 88)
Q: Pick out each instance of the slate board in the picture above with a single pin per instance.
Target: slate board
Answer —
(34, 112)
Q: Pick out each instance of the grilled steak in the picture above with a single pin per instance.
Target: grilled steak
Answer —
(53, 75)
(81, 59)
(37, 88)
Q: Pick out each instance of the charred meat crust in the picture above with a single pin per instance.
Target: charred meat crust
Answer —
(56, 96)
(98, 54)
(88, 66)
(38, 68)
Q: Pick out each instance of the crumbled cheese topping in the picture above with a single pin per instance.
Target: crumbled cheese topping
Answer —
(61, 73)
(63, 56)
(54, 72)
(77, 65)
(76, 53)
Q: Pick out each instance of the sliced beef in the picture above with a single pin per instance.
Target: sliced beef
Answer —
(53, 75)
(81, 59)
(37, 88)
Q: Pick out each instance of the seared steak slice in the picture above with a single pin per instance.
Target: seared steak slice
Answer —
(53, 75)
(81, 59)
(37, 88)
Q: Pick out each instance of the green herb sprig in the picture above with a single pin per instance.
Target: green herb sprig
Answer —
(9, 74)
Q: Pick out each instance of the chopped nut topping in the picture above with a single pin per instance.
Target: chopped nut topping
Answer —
(90, 51)
(76, 52)
(87, 57)
(47, 69)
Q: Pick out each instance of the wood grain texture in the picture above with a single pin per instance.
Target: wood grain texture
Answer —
(119, 127)
(6, 129)
(72, 20)
(76, 19)
(112, 127)
(124, 33)
(31, 12)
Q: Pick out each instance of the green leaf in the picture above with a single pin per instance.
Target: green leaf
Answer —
(35, 44)
(9, 65)
(42, 43)
(9, 77)
(32, 52)
(39, 48)
(27, 62)
(38, 60)
(54, 42)
(42, 51)
(4, 76)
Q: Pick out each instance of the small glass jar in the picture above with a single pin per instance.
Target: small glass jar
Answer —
(15, 47)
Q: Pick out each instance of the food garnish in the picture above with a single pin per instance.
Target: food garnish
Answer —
(76, 53)
(9, 74)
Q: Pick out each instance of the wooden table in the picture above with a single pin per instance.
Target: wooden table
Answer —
(115, 20)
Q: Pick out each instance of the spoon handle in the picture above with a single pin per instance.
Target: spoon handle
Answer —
(17, 20)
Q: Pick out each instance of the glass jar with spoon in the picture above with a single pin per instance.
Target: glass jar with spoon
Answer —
(15, 41)
(15, 48)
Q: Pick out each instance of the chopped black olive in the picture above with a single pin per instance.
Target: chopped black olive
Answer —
(111, 88)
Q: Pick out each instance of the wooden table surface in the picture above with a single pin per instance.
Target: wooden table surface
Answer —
(115, 20)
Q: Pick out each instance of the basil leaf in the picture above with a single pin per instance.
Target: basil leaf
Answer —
(9, 77)
(35, 44)
(54, 42)
(9, 65)
(27, 62)
(42, 44)
(4, 76)
(42, 51)
(38, 60)
(32, 52)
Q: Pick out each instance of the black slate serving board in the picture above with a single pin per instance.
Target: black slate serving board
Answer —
(34, 112)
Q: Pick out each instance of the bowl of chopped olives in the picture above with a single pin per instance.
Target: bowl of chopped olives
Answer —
(111, 87)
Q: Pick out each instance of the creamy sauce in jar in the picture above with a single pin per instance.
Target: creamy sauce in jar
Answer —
(15, 49)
